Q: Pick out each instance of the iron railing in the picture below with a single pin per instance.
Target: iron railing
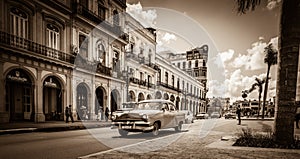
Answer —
(12, 41)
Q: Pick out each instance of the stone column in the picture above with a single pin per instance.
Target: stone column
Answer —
(4, 117)
(38, 94)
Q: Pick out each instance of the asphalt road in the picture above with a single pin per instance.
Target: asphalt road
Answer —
(86, 143)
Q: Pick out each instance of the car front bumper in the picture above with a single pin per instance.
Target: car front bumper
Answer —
(134, 126)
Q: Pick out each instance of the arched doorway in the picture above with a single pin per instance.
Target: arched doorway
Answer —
(172, 98)
(177, 102)
(158, 95)
(166, 96)
(99, 103)
(149, 97)
(52, 99)
(82, 101)
(114, 98)
(131, 96)
(141, 97)
(19, 95)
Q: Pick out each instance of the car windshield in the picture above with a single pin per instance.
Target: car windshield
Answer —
(149, 106)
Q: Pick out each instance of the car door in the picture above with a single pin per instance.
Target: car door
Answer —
(167, 117)
(173, 116)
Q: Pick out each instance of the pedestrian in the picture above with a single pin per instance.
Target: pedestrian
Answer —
(106, 113)
(238, 112)
(70, 113)
(67, 113)
(297, 117)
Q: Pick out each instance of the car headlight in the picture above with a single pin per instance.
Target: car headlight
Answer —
(113, 117)
(145, 116)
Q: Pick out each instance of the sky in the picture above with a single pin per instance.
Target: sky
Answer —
(236, 42)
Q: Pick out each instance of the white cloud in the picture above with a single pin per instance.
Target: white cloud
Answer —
(223, 57)
(168, 37)
(145, 17)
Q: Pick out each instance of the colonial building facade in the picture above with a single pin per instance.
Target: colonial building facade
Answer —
(87, 54)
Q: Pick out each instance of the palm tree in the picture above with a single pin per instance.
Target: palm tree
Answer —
(289, 41)
(259, 83)
(270, 59)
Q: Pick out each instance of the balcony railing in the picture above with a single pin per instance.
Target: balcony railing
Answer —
(14, 42)
(104, 70)
(168, 86)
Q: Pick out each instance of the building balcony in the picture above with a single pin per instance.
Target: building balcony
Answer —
(22, 45)
(168, 86)
(104, 70)
(79, 9)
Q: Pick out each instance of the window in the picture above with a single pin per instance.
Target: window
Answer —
(178, 64)
(116, 20)
(166, 77)
(173, 80)
(52, 37)
(204, 63)
(159, 76)
(183, 65)
(19, 23)
(190, 64)
(178, 83)
(84, 3)
(116, 62)
(101, 55)
(101, 9)
(141, 76)
(83, 44)
(196, 63)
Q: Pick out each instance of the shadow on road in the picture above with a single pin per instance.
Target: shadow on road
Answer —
(162, 133)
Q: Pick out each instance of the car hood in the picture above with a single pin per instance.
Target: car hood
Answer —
(137, 114)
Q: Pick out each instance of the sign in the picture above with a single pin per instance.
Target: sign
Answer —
(197, 53)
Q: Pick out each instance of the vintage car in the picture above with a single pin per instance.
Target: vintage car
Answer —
(201, 115)
(149, 116)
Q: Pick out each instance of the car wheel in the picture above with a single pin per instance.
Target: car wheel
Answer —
(123, 132)
(155, 129)
(179, 127)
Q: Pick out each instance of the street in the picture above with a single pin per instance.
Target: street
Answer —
(73, 144)
(107, 143)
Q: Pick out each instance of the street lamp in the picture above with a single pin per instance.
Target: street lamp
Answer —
(127, 74)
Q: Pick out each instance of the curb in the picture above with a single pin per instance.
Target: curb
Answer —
(51, 129)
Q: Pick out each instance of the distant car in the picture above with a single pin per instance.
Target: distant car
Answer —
(189, 118)
(230, 116)
(201, 115)
(215, 115)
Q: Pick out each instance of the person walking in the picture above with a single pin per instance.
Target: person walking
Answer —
(70, 113)
(297, 117)
(238, 112)
(106, 113)
(67, 113)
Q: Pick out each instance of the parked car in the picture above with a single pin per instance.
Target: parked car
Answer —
(149, 116)
(230, 116)
(201, 115)
(215, 115)
(189, 117)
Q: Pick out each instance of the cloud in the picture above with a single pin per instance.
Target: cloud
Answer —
(168, 37)
(145, 17)
(223, 57)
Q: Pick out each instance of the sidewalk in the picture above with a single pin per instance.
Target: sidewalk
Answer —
(49, 126)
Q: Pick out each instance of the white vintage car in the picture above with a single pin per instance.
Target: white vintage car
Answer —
(149, 116)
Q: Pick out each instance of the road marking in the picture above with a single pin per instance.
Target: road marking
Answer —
(142, 147)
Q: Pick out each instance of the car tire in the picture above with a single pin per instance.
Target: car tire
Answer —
(178, 127)
(123, 133)
(155, 129)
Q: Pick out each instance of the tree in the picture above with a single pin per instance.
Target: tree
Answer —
(259, 83)
(270, 59)
(287, 70)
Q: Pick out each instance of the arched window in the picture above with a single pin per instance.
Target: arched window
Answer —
(196, 63)
(116, 18)
(18, 23)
